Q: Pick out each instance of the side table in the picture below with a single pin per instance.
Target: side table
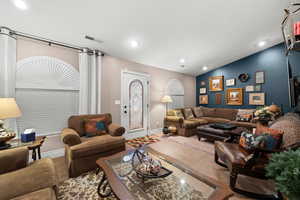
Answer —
(34, 146)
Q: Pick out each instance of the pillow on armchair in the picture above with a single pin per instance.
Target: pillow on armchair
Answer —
(95, 127)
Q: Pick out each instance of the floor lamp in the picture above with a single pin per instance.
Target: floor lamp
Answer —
(166, 100)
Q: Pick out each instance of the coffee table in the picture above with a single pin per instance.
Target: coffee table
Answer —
(183, 183)
(210, 133)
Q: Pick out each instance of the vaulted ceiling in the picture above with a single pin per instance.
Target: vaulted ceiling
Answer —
(202, 32)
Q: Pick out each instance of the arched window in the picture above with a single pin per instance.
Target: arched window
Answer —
(175, 89)
(47, 92)
(136, 101)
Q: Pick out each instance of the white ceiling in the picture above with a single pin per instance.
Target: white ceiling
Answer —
(204, 32)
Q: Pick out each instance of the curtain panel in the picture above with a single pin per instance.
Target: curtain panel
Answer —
(90, 68)
(8, 60)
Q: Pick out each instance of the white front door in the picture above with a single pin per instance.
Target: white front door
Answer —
(135, 104)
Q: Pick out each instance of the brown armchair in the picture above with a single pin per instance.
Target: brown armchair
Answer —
(240, 162)
(18, 180)
(82, 152)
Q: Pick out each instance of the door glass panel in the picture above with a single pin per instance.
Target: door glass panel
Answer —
(136, 101)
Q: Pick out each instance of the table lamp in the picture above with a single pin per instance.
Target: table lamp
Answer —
(8, 109)
(166, 99)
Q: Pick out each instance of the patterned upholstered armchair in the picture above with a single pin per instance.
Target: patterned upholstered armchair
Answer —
(240, 162)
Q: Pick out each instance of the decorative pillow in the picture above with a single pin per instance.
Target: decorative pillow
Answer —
(247, 140)
(178, 113)
(188, 113)
(244, 115)
(270, 138)
(96, 126)
(198, 112)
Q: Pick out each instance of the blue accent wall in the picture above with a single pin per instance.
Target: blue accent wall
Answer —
(272, 60)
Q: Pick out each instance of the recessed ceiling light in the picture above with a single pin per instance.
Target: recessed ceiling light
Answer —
(21, 4)
(204, 68)
(262, 43)
(182, 60)
(134, 44)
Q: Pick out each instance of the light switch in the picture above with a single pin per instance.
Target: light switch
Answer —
(117, 102)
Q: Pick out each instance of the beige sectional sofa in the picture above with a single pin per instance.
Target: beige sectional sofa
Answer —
(186, 120)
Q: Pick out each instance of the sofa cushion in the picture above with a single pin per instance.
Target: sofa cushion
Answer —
(208, 112)
(189, 124)
(76, 122)
(188, 113)
(45, 194)
(95, 145)
(198, 112)
(226, 113)
(243, 124)
(200, 121)
(215, 120)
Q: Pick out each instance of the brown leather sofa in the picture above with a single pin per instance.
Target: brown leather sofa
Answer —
(18, 180)
(81, 152)
(186, 120)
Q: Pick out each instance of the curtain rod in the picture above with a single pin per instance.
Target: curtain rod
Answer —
(49, 41)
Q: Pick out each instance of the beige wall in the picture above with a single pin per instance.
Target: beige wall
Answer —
(27, 48)
(111, 88)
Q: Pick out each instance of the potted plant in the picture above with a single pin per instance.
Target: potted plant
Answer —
(284, 168)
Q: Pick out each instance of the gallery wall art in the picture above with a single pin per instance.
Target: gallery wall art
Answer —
(234, 96)
(216, 83)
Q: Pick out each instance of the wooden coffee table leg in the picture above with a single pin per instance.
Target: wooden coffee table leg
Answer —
(102, 187)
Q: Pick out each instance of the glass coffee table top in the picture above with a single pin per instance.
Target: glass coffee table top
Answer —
(181, 184)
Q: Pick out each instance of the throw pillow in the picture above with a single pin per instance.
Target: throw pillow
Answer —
(270, 138)
(198, 112)
(244, 115)
(247, 140)
(188, 113)
(178, 113)
(96, 126)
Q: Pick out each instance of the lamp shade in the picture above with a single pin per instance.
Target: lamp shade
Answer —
(166, 99)
(9, 108)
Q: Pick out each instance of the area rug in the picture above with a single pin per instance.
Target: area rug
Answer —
(83, 187)
(149, 139)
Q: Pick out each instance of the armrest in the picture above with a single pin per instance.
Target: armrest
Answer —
(41, 174)
(115, 129)
(174, 119)
(13, 159)
(70, 137)
(294, 146)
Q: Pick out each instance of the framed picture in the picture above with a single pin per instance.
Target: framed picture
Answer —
(234, 96)
(230, 82)
(259, 77)
(218, 98)
(203, 99)
(202, 83)
(257, 99)
(257, 88)
(216, 83)
(202, 90)
(249, 88)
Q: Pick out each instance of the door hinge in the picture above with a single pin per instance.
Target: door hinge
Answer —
(148, 82)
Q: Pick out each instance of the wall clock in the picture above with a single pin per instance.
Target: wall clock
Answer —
(244, 77)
